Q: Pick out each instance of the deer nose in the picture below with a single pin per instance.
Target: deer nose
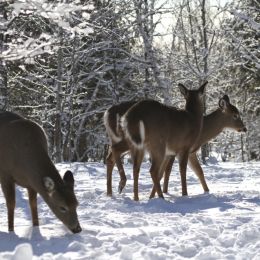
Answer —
(244, 129)
(77, 229)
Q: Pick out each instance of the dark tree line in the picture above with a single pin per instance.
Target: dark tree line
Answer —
(62, 63)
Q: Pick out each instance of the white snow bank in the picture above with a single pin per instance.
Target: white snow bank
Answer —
(224, 224)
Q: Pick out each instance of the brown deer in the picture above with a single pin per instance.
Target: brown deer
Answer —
(226, 116)
(118, 144)
(25, 162)
(163, 131)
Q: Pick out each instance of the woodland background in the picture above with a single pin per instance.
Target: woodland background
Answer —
(63, 63)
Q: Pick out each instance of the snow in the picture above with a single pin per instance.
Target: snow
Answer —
(223, 224)
(253, 24)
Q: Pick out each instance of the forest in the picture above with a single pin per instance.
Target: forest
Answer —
(64, 62)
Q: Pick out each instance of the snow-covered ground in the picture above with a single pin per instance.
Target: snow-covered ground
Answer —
(224, 224)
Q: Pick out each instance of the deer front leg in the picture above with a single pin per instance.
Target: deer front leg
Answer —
(183, 160)
(167, 173)
(8, 188)
(33, 205)
(195, 166)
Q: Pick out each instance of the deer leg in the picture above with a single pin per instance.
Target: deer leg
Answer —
(137, 161)
(155, 172)
(195, 166)
(121, 171)
(110, 165)
(118, 149)
(161, 171)
(33, 205)
(167, 173)
(183, 160)
(8, 188)
(110, 162)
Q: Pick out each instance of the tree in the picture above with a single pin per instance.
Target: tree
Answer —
(198, 51)
(242, 35)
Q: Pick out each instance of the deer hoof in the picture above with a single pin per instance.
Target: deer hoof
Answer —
(121, 186)
(109, 194)
(161, 196)
(151, 196)
(136, 198)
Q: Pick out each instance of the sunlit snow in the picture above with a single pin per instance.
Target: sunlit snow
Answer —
(224, 224)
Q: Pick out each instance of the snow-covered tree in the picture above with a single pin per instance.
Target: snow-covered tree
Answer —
(242, 31)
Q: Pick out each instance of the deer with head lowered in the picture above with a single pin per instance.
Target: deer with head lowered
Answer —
(25, 162)
(163, 131)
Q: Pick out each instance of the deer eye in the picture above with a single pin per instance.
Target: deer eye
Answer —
(236, 116)
(63, 209)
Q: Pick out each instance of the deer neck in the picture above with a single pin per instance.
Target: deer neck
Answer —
(45, 168)
(194, 108)
(213, 124)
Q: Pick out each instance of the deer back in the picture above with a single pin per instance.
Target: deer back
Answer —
(155, 125)
(112, 118)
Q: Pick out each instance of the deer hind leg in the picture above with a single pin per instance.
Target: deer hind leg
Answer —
(118, 149)
(157, 169)
(110, 165)
(195, 166)
(167, 173)
(8, 188)
(183, 160)
(137, 157)
(161, 171)
(33, 205)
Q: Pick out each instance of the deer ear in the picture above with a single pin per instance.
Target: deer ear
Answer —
(68, 178)
(183, 90)
(202, 88)
(226, 98)
(223, 102)
(49, 185)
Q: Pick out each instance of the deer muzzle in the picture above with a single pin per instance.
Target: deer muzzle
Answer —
(77, 229)
(243, 129)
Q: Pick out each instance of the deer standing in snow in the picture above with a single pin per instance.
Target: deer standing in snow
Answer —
(118, 143)
(164, 131)
(226, 116)
(25, 162)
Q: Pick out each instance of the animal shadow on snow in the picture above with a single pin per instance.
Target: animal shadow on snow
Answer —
(185, 205)
(39, 243)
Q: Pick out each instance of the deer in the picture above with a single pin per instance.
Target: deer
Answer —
(118, 143)
(163, 131)
(25, 162)
(225, 116)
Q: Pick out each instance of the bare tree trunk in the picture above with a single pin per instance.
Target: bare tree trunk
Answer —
(57, 131)
(71, 89)
(146, 26)
(243, 153)
(3, 72)
(205, 147)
